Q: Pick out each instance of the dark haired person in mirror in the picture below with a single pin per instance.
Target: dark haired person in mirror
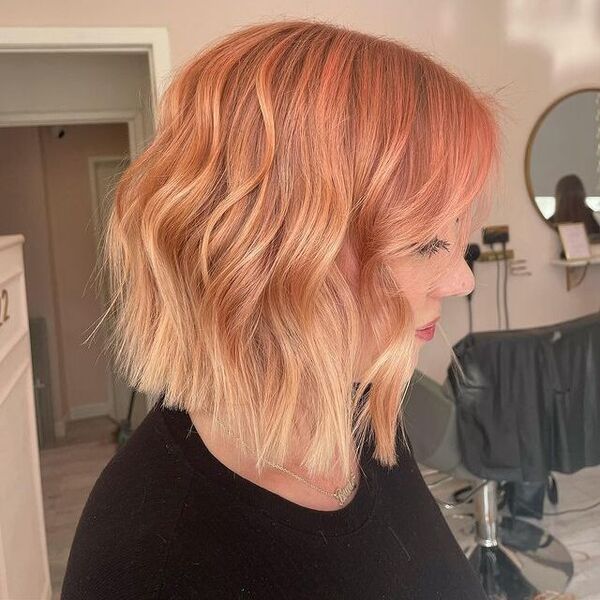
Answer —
(570, 204)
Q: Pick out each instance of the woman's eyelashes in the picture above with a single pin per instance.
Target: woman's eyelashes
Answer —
(430, 248)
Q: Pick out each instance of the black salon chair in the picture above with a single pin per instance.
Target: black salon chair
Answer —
(514, 558)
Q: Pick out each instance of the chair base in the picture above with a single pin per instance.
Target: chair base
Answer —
(526, 561)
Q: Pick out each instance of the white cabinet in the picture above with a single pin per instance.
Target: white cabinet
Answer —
(24, 570)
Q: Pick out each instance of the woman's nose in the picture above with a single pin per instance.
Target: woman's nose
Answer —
(459, 281)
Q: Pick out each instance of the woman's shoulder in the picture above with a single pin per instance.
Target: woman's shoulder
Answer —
(124, 532)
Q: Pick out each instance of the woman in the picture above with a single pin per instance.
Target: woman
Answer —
(279, 254)
(570, 204)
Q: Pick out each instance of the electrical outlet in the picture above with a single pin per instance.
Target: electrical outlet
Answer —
(490, 256)
(495, 234)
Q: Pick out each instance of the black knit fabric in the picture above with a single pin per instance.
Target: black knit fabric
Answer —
(166, 520)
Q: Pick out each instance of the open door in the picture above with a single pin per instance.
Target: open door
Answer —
(104, 175)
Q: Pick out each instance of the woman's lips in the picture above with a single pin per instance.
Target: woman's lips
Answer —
(427, 333)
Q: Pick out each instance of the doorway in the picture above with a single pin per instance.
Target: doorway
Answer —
(71, 130)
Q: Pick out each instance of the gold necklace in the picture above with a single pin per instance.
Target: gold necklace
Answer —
(341, 494)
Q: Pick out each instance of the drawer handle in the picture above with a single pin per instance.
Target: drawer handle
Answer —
(4, 316)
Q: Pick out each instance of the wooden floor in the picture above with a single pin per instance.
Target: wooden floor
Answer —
(70, 470)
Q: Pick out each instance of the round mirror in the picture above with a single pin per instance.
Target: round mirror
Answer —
(562, 165)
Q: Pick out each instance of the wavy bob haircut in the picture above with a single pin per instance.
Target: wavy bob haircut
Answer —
(277, 147)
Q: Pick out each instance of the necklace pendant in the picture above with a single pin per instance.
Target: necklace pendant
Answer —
(342, 494)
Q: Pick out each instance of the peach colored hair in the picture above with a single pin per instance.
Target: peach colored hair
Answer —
(275, 147)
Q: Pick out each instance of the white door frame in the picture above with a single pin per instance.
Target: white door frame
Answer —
(111, 403)
(154, 41)
(132, 118)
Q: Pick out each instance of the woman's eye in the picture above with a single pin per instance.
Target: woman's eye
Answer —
(430, 248)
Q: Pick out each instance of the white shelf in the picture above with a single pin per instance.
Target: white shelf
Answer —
(572, 266)
(576, 262)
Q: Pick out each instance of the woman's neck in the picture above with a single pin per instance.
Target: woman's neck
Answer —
(225, 449)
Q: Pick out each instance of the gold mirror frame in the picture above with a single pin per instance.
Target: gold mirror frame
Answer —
(532, 135)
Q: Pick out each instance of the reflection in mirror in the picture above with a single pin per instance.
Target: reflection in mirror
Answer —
(562, 167)
(571, 205)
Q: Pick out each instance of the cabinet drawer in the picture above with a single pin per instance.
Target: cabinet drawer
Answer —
(13, 304)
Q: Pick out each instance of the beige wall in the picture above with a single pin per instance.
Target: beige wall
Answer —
(23, 210)
(535, 51)
(70, 211)
(46, 195)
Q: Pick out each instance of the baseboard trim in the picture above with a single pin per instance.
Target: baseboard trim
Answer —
(87, 411)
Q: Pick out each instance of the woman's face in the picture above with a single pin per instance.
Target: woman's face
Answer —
(425, 278)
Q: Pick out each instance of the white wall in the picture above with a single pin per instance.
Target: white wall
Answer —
(531, 52)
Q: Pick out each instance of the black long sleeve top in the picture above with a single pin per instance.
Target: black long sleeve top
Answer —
(167, 521)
